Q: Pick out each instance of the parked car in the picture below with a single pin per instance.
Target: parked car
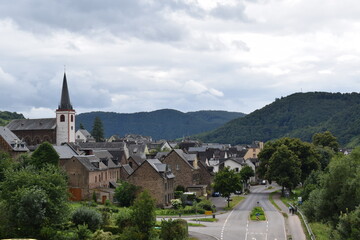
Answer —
(238, 192)
(216, 194)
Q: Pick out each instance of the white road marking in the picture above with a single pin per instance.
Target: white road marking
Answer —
(223, 228)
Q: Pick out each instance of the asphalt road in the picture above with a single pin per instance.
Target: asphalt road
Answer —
(236, 224)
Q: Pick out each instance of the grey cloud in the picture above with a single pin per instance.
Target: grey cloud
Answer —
(141, 19)
(229, 12)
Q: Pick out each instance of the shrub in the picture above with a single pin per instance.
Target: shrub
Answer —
(101, 235)
(177, 194)
(205, 205)
(124, 218)
(83, 233)
(176, 203)
(88, 216)
(180, 188)
(174, 229)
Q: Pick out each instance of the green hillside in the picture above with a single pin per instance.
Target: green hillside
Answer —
(298, 115)
(160, 124)
(6, 117)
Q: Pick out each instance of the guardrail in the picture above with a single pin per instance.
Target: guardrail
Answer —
(308, 228)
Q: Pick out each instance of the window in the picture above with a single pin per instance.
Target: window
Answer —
(177, 167)
(237, 169)
(95, 179)
(62, 118)
(72, 118)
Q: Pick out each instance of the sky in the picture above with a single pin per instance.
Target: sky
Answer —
(143, 55)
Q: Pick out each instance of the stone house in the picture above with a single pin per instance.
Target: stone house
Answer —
(184, 167)
(88, 174)
(11, 144)
(157, 179)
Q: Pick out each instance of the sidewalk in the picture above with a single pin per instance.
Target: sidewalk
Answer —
(292, 222)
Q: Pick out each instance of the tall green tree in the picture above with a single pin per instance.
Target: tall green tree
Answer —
(338, 190)
(305, 152)
(126, 193)
(326, 139)
(284, 168)
(34, 198)
(45, 154)
(98, 130)
(5, 163)
(245, 174)
(143, 214)
(226, 182)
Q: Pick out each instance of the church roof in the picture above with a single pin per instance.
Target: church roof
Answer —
(32, 124)
(65, 103)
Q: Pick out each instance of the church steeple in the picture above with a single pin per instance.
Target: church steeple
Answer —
(65, 103)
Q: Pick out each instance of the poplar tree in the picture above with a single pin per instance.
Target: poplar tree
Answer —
(98, 130)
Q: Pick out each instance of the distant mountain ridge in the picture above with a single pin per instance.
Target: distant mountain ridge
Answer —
(297, 115)
(160, 124)
(6, 117)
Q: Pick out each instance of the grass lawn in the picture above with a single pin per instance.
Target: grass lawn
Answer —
(206, 219)
(321, 231)
(195, 225)
(234, 202)
(257, 214)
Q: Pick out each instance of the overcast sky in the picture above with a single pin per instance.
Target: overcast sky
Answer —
(128, 56)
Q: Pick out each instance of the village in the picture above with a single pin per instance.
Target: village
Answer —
(96, 168)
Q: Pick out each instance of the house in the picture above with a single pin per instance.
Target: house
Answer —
(184, 167)
(157, 179)
(233, 163)
(11, 144)
(82, 135)
(53, 130)
(87, 174)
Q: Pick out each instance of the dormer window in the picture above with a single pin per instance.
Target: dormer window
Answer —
(62, 118)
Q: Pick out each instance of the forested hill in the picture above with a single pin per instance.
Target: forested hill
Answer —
(6, 117)
(160, 124)
(297, 115)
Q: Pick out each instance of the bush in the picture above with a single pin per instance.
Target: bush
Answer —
(88, 216)
(83, 233)
(101, 235)
(174, 229)
(177, 194)
(176, 203)
(180, 188)
(205, 205)
(124, 218)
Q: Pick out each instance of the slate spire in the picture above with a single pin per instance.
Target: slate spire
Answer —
(65, 98)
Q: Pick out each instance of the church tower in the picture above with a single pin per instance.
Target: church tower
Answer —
(65, 117)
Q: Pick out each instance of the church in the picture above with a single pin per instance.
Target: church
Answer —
(53, 130)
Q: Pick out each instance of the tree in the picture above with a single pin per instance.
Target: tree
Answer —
(126, 193)
(284, 168)
(246, 173)
(326, 139)
(81, 126)
(45, 154)
(98, 130)
(226, 182)
(305, 153)
(5, 163)
(34, 198)
(348, 227)
(87, 216)
(143, 214)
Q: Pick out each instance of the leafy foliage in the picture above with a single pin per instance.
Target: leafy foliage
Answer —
(290, 155)
(144, 214)
(160, 124)
(34, 198)
(174, 229)
(299, 115)
(126, 193)
(326, 139)
(87, 216)
(246, 173)
(337, 189)
(226, 182)
(43, 155)
(348, 227)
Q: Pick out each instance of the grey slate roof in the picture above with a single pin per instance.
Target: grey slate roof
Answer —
(160, 155)
(197, 149)
(138, 159)
(88, 162)
(102, 154)
(65, 98)
(32, 124)
(184, 156)
(12, 140)
(102, 145)
(65, 152)
(128, 169)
